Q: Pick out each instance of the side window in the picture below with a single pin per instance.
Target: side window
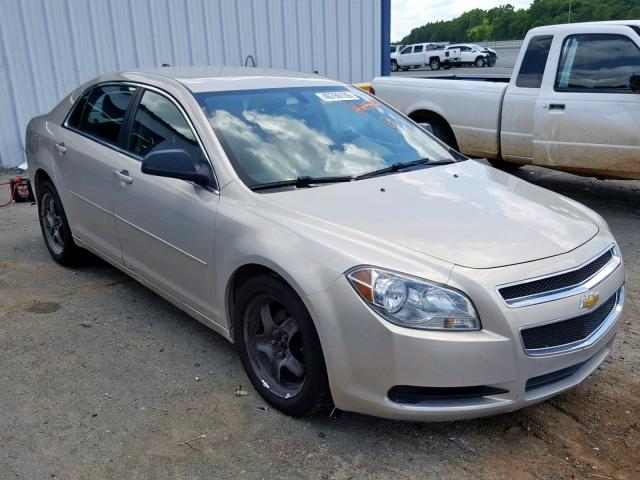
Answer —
(159, 124)
(75, 117)
(597, 63)
(406, 50)
(534, 61)
(417, 48)
(103, 114)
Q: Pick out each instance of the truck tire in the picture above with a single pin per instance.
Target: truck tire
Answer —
(394, 66)
(446, 65)
(404, 69)
(504, 165)
(479, 62)
(435, 64)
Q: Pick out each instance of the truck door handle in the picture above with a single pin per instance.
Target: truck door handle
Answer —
(556, 106)
(61, 148)
(123, 176)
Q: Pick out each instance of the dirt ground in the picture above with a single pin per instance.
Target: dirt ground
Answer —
(101, 378)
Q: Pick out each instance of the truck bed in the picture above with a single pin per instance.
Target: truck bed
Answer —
(471, 105)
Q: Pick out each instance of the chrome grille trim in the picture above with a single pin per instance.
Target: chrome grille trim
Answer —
(592, 338)
(568, 291)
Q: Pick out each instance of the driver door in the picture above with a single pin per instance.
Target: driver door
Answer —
(166, 225)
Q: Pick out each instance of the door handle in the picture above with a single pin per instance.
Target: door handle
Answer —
(556, 106)
(123, 176)
(61, 148)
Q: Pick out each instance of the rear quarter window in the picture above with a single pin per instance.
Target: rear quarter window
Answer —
(534, 62)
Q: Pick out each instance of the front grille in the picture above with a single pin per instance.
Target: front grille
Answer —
(557, 282)
(567, 331)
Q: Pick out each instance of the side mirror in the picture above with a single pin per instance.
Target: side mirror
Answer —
(634, 83)
(176, 163)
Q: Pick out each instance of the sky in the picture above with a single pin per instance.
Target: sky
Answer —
(408, 14)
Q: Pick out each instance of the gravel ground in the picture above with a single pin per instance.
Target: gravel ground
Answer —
(101, 378)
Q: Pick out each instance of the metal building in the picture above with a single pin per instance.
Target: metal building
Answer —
(49, 47)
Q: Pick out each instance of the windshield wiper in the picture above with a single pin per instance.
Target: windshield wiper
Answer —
(396, 167)
(301, 182)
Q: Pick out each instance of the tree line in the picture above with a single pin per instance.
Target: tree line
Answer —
(507, 23)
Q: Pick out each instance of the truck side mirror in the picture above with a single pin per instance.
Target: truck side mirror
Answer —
(634, 83)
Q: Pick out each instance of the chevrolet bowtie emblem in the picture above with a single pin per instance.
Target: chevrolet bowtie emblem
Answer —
(589, 300)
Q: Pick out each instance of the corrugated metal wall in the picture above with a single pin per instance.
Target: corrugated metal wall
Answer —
(49, 47)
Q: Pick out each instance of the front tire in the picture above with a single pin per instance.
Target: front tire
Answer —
(279, 346)
(479, 62)
(435, 64)
(394, 66)
(55, 227)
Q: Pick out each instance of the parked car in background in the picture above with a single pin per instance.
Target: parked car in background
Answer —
(474, 55)
(395, 49)
(348, 253)
(427, 54)
(572, 104)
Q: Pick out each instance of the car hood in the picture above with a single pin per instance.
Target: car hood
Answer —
(467, 214)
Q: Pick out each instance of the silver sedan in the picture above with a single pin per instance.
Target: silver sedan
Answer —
(351, 256)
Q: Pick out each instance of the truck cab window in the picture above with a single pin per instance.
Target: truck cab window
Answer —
(534, 61)
(406, 50)
(417, 48)
(597, 63)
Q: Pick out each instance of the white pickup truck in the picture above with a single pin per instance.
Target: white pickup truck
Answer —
(573, 103)
(431, 54)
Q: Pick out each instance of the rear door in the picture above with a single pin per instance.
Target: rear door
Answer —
(87, 153)
(587, 116)
(166, 225)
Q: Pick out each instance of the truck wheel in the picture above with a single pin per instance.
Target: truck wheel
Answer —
(504, 165)
(435, 64)
(446, 66)
(404, 69)
(479, 62)
(394, 66)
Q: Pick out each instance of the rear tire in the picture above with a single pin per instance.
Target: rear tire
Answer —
(446, 66)
(404, 69)
(394, 66)
(504, 165)
(55, 227)
(279, 346)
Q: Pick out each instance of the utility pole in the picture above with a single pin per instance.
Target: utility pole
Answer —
(569, 11)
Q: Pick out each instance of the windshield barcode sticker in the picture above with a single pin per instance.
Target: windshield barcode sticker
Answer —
(337, 96)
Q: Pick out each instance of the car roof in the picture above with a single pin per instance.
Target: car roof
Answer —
(217, 78)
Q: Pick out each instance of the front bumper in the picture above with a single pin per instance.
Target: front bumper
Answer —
(367, 356)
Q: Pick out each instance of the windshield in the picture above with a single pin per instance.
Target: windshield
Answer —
(274, 135)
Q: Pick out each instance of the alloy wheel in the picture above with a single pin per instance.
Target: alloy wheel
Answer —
(52, 223)
(274, 344)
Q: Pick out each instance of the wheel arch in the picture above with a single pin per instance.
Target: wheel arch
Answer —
(434, 118)
(40, 176)
(243, 273)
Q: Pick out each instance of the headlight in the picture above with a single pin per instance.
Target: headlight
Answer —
(414, 303)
